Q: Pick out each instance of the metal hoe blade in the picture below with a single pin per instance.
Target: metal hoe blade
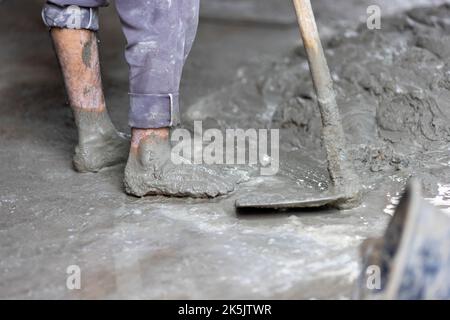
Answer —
(286, 203)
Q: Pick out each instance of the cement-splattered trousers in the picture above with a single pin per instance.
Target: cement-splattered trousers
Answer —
(159, 34)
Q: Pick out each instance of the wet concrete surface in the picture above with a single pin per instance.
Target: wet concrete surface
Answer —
(155, 247)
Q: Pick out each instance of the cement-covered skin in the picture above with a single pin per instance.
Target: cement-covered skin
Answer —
(151, 171)
(100, 145)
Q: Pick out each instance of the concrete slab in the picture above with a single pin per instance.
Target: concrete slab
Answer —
(160, 248)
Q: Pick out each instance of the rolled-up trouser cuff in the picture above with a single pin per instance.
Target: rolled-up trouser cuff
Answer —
(70, 17)
(154, 110)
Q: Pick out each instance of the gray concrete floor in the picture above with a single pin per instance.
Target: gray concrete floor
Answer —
(52, 217)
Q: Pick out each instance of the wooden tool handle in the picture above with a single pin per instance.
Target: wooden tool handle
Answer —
(340, 166)
(317, 63)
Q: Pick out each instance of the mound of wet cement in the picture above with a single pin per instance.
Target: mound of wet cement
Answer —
(393, 89)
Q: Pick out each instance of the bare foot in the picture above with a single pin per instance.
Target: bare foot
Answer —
(150, 171)
(100, 145)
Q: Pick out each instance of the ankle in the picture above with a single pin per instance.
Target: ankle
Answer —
(150, 136)
(92, 124)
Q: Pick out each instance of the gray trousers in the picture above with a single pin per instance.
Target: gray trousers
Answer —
(159, 34)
